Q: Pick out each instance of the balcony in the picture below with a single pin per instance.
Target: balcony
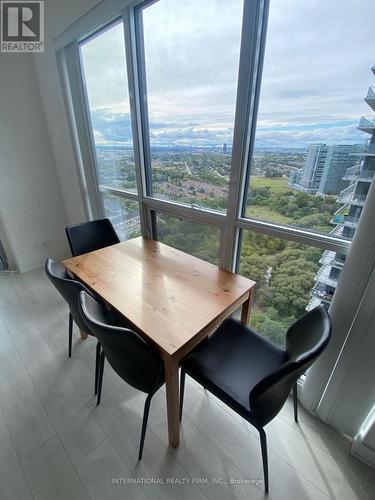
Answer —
(330, 258)
(357, 174)
(370, 98)
(349, 196)
(337, 219)
(359, 199)
(351, 222)
(346, 194)
(320, 290)
(324, 276)
(366, 175)
(314, 302)
(367, 124)
(351, 173)
(337, 231)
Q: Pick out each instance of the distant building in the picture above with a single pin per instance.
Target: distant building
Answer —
(324, 169)
(345, 220)
(225, 148)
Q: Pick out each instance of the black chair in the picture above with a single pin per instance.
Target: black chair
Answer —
(92, 235)
(133, 359)
(70, 289)
(253, 376)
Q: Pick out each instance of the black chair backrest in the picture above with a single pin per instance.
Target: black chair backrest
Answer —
(133, 359)
(68, 288)
(306, 339)
(92, 235)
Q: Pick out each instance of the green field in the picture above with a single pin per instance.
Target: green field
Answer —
(266, 213)
(277, 184)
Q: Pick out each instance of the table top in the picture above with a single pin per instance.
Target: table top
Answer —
(168, 295)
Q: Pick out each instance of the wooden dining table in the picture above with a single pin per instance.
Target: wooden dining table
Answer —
(172, 299)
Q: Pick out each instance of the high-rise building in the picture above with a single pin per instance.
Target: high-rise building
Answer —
(346, 218)
(324, 169)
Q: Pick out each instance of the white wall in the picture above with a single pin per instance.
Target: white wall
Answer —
(58, 16)
(39, 187)
(341, 384)
(31, 206)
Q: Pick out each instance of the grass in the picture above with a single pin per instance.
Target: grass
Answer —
(277, 184)
(266, 213)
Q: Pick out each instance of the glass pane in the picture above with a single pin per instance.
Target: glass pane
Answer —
(197, 239)
(104, 68)
(124, 215)
(314, 79)
(191, 54)
(291, 278)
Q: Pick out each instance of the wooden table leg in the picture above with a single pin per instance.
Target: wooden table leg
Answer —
(245, 312)
(172, 392)
(84, 335)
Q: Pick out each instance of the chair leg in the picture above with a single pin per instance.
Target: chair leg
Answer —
(182, 390)
(97, 363)
(70, 334)
(263, 444)
(295, 402)
(144, 424)
(100, 382)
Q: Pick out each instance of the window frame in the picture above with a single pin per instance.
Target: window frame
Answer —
(231, 223)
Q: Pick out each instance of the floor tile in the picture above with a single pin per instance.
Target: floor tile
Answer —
(13, 483)
(72, 418)
(51, 475)
(105, 475)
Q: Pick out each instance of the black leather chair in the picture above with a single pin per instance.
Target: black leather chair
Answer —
(70, 289)
(92, 235)
(133, 359)
(253, 376)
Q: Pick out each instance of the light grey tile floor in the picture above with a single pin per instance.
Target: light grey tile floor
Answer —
(56, 444)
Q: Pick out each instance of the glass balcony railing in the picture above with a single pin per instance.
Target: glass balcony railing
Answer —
(331, 258)
(366, 174)
(314, 302)
(370, 98)
(359, 198)
(346, 194)
(356, 173)
(337, 231)
(320, 290)
(324, 275)
(351, 221)
(352, 171)
(367, 124)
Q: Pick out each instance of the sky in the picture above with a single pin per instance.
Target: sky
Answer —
(316, 73)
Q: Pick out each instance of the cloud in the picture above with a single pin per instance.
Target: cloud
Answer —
(316, 71)
(271, 138)
(110, 127)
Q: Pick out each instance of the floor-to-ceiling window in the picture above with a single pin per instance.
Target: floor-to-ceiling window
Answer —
(229, 130)
(103, 62)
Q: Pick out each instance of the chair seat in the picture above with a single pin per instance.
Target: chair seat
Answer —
(232, 361)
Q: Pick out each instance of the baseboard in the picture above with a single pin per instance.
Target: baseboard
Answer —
(363, 452)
